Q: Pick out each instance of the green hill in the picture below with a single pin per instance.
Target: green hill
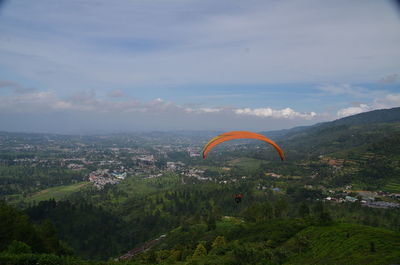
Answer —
(365, 118)
(229, 240)
(370, 117)
(365, 129)
(368, 144)
(287, 242)
(346, 244)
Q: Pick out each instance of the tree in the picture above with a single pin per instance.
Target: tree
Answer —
(372, 246)
(219, 241)
(281, 208)
(18, 247)
(49, 237)
(211, 223)
(200, 251)
(15, 226)
(185, 226)
(268, 210)
(318, 208)
(304, 211)
(324, 218)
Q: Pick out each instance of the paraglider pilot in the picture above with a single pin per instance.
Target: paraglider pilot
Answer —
(238, 198)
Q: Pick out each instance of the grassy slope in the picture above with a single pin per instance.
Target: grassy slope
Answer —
(348, 244)
(57, 193)
(392, 186)
(246, 163)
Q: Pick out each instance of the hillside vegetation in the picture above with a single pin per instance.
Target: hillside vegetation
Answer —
(368, 143)
(314, 239)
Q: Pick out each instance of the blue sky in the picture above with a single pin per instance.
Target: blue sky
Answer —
(100, 66)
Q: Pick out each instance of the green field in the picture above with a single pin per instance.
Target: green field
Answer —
(214, 168)
(392, 186)
(137, 186)
(57, 193)
(250, 164)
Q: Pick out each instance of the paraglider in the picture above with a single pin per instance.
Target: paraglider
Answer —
(238, 197)
(239, 135)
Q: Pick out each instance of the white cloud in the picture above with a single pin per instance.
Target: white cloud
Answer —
(389, 101)
(209, 110)
(383, 102)
(87, 101)
(286, 113)
(202, 110)
(62, 105)
(353, 110)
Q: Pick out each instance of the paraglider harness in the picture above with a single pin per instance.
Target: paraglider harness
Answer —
(238, 198)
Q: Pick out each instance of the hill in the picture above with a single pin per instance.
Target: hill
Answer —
(294, 241)
(362, 129)
(367, 146)
(365, 118)
(345, 244)
(375, 116)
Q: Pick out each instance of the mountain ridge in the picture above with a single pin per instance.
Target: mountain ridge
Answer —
(375, 116)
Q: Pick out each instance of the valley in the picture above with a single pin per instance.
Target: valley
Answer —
(107, 195)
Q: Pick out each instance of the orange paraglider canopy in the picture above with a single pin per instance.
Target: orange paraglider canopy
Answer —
(239, 135)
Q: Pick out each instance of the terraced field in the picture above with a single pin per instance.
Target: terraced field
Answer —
(392, 186)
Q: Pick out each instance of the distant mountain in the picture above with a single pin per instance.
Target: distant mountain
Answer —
(375, 116)
(281, 133)
(365, 118)
(369, 142)
(360, 129)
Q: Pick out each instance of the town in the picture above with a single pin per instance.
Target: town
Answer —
(109, 160)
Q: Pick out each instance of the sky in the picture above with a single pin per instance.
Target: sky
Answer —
(97, 66)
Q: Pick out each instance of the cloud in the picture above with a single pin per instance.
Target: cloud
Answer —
(385, 102)
(389, 101)
(117, 93)
(286, 113)
(86, 101)
(353, 110)
(203, 110)
(15, 87)
(49, 101)
(210, 110)
(84, 96)
(5, 83)
(389, 79)
(85, 111)
(29, 102)
(24, 90)
(175, 41)
(344, 89)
